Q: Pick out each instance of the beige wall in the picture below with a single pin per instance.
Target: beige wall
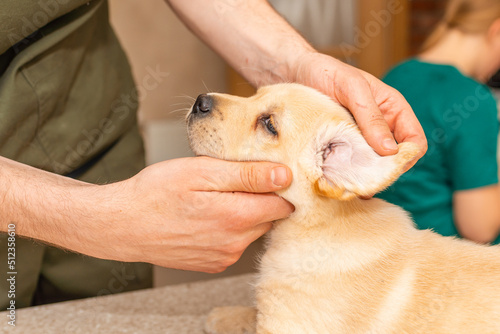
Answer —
(155, 39)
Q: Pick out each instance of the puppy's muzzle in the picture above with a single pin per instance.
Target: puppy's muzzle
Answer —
(203, 106)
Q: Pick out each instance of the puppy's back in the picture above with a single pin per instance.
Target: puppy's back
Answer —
(457, 288)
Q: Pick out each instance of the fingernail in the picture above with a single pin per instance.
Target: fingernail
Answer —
(389, 144)
(279, 176)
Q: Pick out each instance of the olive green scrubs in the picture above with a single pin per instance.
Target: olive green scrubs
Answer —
(68, 106)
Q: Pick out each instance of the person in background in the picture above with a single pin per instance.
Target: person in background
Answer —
(454, 188)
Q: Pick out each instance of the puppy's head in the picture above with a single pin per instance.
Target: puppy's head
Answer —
(301, 128)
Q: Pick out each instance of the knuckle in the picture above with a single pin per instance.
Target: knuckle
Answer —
(216, 269)
(226, 263)
(237, 225)
(376, 119)
(245, 220)
(424, 148)
(233, 250)
(249, 177)
(357, 81)
(235, 219)
(230, 260)
(232, 253)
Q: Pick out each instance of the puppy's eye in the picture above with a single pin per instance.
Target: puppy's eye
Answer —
(268, 122)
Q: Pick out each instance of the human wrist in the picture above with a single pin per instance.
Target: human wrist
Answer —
(285, 63)
(113, 215)
(98, 224)
(297, 63)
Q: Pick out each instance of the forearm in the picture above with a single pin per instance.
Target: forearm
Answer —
(251, 36)
(48, 207)
(481, 231)
(477, 213)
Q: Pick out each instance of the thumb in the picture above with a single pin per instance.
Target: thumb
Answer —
(255, 177)
(262, 177)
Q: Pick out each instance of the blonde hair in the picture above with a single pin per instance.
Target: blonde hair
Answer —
(468, 16)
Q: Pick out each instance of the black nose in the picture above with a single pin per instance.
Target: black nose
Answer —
(203, 105)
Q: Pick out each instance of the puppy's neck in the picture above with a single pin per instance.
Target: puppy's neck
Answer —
(338, 236)
(346, 220)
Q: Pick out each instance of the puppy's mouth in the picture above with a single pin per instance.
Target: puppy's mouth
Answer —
(204, 138)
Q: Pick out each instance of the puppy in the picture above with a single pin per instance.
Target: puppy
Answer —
(340, 264)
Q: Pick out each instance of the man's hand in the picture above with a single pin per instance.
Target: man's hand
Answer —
(193, 213)
(379, 110)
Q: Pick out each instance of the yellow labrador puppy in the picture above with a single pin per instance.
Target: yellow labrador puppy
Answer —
(340, 264)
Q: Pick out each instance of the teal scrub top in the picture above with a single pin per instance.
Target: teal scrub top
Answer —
(459, 118)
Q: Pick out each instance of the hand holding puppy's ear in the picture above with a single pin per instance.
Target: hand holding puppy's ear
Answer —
(351, 168)
(378, 108)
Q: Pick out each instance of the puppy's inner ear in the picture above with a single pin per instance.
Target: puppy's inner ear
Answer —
(352, 168)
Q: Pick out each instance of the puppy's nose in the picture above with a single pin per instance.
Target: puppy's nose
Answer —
(203, 105)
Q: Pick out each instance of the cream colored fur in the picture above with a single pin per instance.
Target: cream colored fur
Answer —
(340, 264)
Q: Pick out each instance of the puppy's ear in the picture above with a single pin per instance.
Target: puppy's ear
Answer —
(350, 167)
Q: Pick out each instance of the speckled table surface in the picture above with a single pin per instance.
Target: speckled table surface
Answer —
(175, 309)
